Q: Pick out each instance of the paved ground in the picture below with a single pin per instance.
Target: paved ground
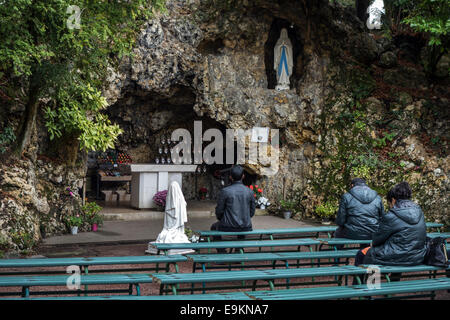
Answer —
(147, 230)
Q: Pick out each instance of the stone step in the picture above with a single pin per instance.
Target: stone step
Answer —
(133, 215)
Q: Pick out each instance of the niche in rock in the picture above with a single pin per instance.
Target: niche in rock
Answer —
(274, 33)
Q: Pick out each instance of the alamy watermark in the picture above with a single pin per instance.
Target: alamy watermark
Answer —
(74, 21)
(374, 278)
(73, 282)
(255, 146)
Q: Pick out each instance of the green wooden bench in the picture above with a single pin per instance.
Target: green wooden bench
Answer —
(208, 234)
(209, 296)
(237, 244)
(333, 242)
(174, 280)
(26, 282)
(84, 264)
(329, 230)
(204, 261)
(347, 292)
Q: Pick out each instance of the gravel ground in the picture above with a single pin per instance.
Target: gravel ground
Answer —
(138, 250)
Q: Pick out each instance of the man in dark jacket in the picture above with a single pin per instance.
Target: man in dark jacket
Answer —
(360, 210)
(401, 237)
(235, 206)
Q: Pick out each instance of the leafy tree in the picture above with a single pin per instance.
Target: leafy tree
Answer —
(431, 17)
(59, 51)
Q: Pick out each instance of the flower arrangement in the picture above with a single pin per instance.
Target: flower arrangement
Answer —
(263, 202)
(256, 190)
(202, 192)
(160, 198)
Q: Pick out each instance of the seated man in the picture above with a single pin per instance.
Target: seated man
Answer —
(235, 206)
(401, 237)
(360, 210)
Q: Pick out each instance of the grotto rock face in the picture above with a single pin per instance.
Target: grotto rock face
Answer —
(221, 55)
(359, 105)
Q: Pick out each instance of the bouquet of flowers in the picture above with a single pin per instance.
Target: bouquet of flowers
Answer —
(256, 190)
(202, 192)
(160, 198)
(263, 202)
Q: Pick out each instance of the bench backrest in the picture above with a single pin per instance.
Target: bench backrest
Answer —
(53, 262)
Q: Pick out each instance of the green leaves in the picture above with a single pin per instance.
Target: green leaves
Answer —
(68, 65)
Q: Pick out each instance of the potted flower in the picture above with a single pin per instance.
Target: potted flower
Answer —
(263, 202)
(288, 207)
(91, 211)
(74, 222)
(326, 211)
(160, 199)
(202, 193)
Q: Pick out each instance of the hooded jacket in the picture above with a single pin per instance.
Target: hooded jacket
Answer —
(235, 207)
(359, 212)
(401, 237)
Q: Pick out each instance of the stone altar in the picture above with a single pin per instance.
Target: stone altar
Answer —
(148, 179)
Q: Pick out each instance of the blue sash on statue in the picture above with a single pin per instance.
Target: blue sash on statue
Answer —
(283, 62)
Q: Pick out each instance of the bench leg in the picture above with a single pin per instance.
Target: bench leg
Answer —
(25, 292)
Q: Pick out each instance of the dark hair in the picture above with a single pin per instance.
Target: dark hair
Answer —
(236, 173)
(358, 181)
(400, 191)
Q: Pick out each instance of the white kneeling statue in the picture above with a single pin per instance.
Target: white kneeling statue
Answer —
(283, 60)
(174, 219)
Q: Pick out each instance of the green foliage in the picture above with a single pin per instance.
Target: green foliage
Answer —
(288, 205)
(6, 138)
(74, 221)
(433, 18)
(22, 239)
(327, 209)
(381, 142)
(361, 172)
(67, 65)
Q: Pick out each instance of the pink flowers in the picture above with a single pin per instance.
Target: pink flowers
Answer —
(160, 198)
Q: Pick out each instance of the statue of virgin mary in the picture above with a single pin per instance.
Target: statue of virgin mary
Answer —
(174, 219)
(283, 62)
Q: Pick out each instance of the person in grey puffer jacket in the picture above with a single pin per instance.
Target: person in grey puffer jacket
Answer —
(401, 237)
(360, 210)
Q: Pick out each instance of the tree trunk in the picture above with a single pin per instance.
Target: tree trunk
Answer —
(28, 120)
(361, 10)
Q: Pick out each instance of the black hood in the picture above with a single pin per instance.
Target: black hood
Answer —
(363, 193)
(408, 211)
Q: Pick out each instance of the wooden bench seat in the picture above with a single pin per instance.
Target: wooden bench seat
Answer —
(329, 230)
(237, 244)
(26, 282)
(174, 280)
(85, 263)
(242, 258)
(345, 292)
(209, 296)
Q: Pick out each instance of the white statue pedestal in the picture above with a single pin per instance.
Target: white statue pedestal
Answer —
(148, 179)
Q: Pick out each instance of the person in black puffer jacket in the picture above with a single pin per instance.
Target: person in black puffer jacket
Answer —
(401, 237)
(235, 207)
(360, 210)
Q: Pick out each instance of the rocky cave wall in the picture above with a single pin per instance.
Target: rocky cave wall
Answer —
(359, 104)
(222, 53)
